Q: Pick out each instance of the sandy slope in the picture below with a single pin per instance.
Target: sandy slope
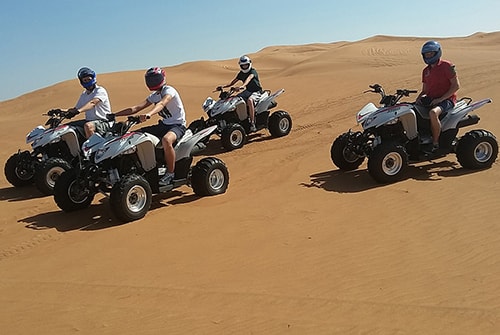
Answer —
(295, 246)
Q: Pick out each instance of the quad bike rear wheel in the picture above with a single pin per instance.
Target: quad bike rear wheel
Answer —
(280, 124)
(233, 136)
(72, 193)
(342, 156)
(209, 177)
(131, 198)
(387, 163)
(477, 149)
(47, 174)
(20, 169)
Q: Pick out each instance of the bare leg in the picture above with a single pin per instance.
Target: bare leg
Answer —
(435, 124)
(251, 110)
(168, 148)
(89, 128)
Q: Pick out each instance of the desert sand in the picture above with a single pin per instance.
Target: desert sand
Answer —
(294, 246)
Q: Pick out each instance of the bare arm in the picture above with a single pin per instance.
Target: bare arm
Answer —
(231, 83)
(89, 105)
(133, 109)
(245, 83)
(455, 85)
(159, 106)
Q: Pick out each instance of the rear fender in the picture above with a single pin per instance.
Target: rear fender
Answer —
(452, 119)
(185, 145)
(266, 101)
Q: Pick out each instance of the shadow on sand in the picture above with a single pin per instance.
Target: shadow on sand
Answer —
(360, 180)
(98, 216)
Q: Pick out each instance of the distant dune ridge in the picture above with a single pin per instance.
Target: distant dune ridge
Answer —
(295, 246)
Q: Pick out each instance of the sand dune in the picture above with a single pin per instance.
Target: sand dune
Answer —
(295, 246)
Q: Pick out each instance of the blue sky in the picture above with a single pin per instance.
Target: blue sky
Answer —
(46, 42)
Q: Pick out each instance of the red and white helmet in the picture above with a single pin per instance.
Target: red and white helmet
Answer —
(245, 64)
(155, 78)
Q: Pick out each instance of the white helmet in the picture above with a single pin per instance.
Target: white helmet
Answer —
(245, 64)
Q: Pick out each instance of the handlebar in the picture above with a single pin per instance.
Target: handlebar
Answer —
(390, 100)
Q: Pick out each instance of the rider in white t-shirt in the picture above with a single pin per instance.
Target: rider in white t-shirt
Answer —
(168, 104)
(94, 101)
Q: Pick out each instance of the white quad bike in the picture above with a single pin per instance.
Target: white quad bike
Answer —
(54, 150)
(127, 167)
(398, 133)
(230, 115)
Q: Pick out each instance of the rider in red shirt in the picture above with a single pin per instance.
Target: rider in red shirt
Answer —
(439, 86)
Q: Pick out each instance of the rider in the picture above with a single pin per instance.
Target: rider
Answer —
(439, 86)
(94, 101)
(251, 86)
(168, 104)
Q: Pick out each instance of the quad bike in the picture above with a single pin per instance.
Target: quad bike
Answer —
(54, 150)
(127, 167)
(398, 133)
(229, 114)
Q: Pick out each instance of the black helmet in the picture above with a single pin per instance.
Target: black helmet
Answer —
(86, 72)
(155, 78)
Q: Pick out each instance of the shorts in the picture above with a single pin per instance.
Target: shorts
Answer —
(159, 130)
(101, 126)
(247, 94)
(446, 105)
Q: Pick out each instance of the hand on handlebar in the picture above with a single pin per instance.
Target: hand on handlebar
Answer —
(53, 112)
(72, 112)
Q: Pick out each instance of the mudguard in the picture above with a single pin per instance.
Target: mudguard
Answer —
(266, 100)
(184, 147)
(53, 135)
(452, 119)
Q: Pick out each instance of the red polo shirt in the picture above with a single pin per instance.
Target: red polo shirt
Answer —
(437, 79)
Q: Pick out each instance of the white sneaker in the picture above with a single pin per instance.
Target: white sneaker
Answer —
(168, 178)
(252, 127)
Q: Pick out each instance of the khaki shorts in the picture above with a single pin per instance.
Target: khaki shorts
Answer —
(101, 127)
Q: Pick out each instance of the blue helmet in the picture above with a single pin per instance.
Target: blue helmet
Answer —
(86, 72)
(431, 46)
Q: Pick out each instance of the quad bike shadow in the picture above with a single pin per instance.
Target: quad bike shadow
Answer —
(20, 194)
(360, 180)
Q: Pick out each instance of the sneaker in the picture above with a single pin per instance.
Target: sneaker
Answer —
(435, 147)
(252, 127)
(168, 178)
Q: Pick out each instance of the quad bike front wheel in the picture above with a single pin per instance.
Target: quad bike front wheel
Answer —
(477, 149)
(72, 193)
(233, 136)
(131, 198)
(20, 169)
(280, 124)
(47, 174)
(387, 163)
(342, 156)
(209, 177)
